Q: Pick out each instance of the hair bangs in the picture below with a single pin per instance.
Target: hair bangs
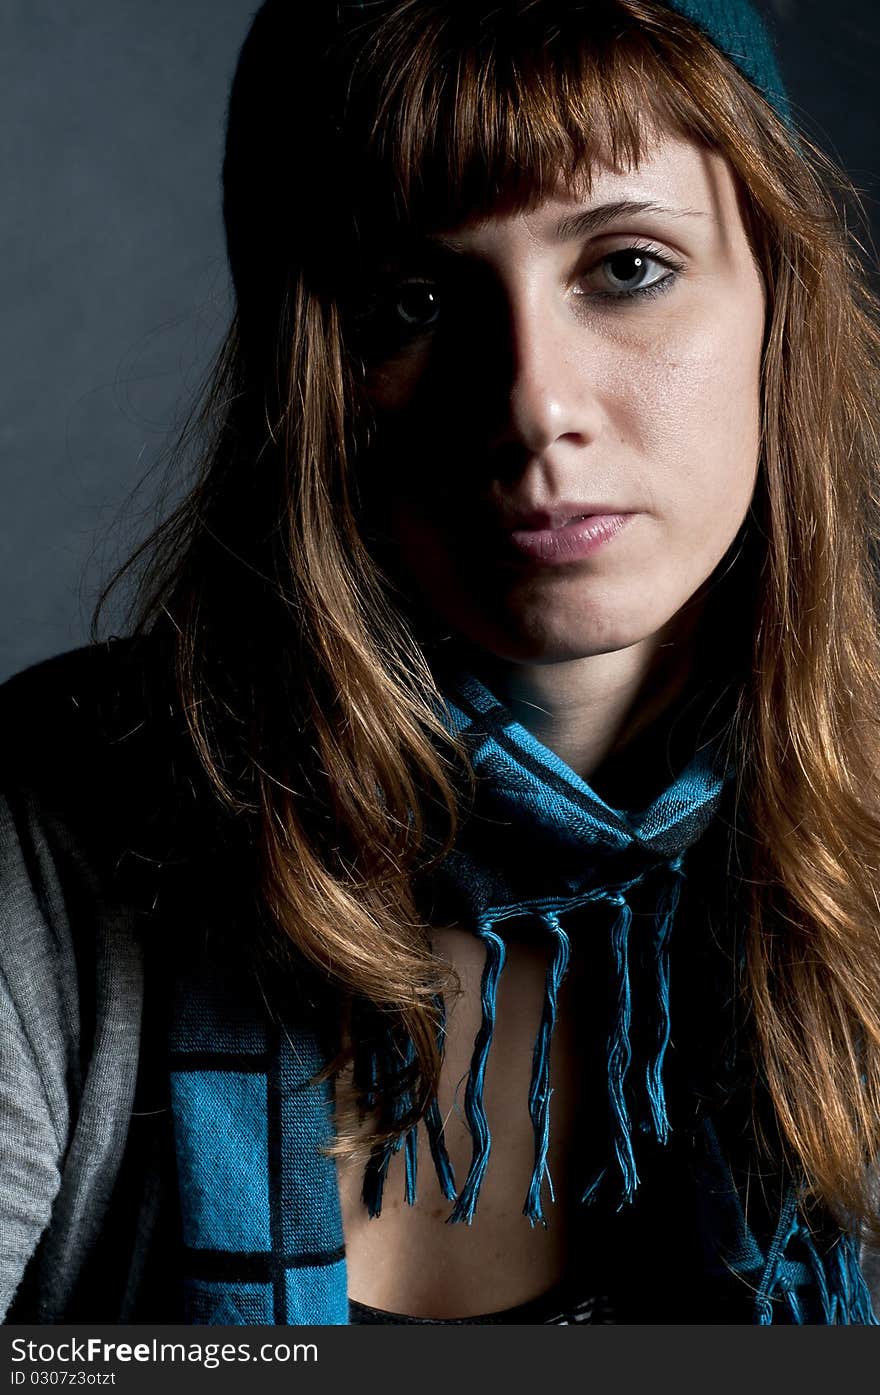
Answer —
(469, 109)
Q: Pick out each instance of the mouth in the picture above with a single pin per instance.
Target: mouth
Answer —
(552, 539)
(560, 516)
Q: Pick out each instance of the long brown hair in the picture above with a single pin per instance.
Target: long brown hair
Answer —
(307, 695)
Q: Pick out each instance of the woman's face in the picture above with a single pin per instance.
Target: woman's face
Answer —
(596, 359)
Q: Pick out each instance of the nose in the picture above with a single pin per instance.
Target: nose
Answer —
(546, 388)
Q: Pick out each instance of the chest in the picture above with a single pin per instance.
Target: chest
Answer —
(409, 1259)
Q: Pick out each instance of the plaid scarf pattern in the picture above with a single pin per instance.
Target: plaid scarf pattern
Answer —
(261, 1220)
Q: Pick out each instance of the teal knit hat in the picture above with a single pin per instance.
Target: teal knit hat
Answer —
(739, 31)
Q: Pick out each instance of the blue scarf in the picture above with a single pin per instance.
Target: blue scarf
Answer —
(541, 846)
(262, 1226)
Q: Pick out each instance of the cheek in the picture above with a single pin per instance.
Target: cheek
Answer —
(393, 386)
(695, 426)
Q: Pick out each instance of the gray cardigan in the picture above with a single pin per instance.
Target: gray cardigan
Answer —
(89, 805)
(94, 832)
(63, 1120)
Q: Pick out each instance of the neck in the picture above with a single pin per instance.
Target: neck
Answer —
(608, 716)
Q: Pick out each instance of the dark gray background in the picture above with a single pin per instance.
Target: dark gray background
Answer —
(113, 280)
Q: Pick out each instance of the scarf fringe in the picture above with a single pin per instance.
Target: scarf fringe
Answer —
(434, 1122)
(539, 1089)
(619, 1045)
(376, 1169)
(620, 1050)
(790, 1280)
(474, 1109)
(844, 1297)
(665, 917)
(619, 1058)
(854, 1301)
(775, 1281)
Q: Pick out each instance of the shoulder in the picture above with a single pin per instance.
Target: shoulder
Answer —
(86, 744)
(96, 709)
(105, 810)
(94, 746)
(89, 820)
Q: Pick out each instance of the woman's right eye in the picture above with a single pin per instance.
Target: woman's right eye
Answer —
(415, 304)
(398, 311)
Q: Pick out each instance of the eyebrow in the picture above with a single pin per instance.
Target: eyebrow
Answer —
(592, 219)
(577, 225)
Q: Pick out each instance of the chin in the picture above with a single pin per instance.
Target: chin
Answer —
(539, 639)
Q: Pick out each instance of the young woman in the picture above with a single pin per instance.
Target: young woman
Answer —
(457, 900)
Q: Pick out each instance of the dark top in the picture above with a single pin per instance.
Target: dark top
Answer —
(560, 1306)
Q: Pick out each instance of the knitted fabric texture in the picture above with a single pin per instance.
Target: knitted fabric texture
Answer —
(260, 1212)
(738, 30)
(260, 1204)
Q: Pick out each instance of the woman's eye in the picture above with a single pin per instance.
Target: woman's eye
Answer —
(400, 312)
(390, 316)
(631, 271)
(416, 305)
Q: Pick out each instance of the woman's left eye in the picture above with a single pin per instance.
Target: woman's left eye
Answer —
(630, 272)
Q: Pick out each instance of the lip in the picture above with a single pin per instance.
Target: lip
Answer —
(568, 511)
(569, 540)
